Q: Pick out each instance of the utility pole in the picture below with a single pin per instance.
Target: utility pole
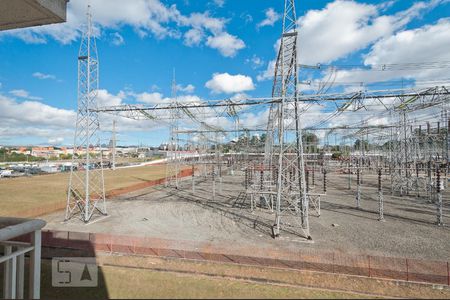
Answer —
(114, 141)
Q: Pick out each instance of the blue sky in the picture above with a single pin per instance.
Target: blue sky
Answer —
(141, 41)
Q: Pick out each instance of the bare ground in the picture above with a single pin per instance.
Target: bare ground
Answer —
(226, 218)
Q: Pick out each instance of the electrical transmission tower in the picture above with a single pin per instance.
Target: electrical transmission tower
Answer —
(86, 193)
(172, 166)
(284, 146)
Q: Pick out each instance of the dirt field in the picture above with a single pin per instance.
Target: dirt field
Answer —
(28, 193)
(409, 230)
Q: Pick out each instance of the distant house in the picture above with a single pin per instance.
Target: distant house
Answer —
(22, 150)
(45, 152)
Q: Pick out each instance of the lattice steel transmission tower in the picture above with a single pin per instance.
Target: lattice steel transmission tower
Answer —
(86, 193)
(284, 147)
(173, 161)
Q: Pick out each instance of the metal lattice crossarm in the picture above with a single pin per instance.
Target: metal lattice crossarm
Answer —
(346, 99)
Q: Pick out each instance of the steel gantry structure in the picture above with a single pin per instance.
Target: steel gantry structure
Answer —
(405, 129)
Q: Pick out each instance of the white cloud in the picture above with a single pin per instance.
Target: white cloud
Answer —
(255, 61)
(429, 43)
(24, 94)
(239, 97)
(44, 76)
(150, 98)
(117, 39)
(34, 113)
(339, 29)
(343, 27)
(247, 18)
(193, 37)
(219, 3)
(146, 17)
(203, 21)
(386, 5)
(227, 44)
(24, 120)
(45, 124)
(271, 18)
(254, 119)
(268, 73)
(189, 99)
(19, 93)
(226, 83)
(104, 98)
(186, 89)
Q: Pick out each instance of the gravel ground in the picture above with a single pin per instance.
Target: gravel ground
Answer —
(409, 228)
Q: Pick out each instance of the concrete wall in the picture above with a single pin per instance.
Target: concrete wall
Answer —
(27, 13)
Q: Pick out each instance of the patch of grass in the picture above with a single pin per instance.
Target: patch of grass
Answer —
(118, 282)
(28, 193)
(324, 281)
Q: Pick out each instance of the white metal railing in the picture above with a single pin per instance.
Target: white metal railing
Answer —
(13, 257)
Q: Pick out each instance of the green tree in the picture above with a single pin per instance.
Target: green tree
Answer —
(310, 142)
(361, 145)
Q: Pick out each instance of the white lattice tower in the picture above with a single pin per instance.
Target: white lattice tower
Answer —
(173, 159)
(86, 193)
(291, 197)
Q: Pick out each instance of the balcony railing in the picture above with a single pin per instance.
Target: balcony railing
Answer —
(13, 257)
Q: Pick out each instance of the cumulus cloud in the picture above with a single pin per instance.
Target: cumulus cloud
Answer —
(255, 61)
(268, 73)
(186, 89)
(193, 37)
(429, 43)
(229, 84)
(254, 119)
(24, 94)
(203, 21)
(343, 27)
(150, 98)
(45, 124)
(117, 39)
(44, 76)
(227, 44)
(34, 113)
(104, 98)
(271, 18)
(146, 17)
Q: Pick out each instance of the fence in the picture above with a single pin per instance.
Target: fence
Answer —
(406, 269)
(13, 253)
